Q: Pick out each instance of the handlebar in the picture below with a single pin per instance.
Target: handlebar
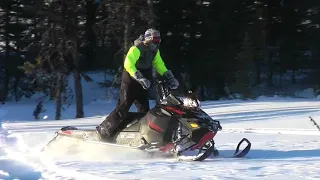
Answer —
(160, 81)
(162, 88)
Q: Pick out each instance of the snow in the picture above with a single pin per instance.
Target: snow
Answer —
(307, 93)
(285, 143)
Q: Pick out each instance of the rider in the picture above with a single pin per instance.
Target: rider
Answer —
(138, 64)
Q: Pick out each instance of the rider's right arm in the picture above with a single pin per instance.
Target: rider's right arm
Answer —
(131, 59)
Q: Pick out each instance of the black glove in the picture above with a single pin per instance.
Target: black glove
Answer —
(172, 81)
(145, 83)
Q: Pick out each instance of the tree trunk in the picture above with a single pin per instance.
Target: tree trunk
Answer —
(126, 35)
(90, 34)
(59, 89)
(293, 76)
(151, 21)
(270, 67)
(127, 27)
(15, 86)
(2, 94)
(91, 39)
(258, 70)
(4, 83)
(78, 91)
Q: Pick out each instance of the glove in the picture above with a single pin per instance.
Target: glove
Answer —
(172, 81)
(145, 83)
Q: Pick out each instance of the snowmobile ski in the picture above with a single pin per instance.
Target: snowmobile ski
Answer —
(244, 152)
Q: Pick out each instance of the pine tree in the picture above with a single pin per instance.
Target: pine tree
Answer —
(59, 53)
(15, 33)
(244, 76)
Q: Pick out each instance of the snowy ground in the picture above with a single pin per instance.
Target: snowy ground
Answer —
(285, 143)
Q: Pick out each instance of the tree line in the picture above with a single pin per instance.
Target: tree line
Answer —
(214, 47)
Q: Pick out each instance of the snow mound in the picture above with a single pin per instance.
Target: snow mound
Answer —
(3, 112)
(307, 93)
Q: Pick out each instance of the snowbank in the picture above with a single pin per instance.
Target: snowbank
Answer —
(307, 93)
(3, 112)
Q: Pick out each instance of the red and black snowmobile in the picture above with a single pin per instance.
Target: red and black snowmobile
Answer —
(174, 126)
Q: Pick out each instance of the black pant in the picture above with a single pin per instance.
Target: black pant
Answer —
(130, 92)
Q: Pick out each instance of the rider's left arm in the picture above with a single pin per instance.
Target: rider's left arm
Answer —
(159, 64)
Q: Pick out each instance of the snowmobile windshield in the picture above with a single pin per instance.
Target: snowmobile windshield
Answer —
(172, 100)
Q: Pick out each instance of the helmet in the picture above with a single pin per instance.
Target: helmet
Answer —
(152, 35)
(152, 38)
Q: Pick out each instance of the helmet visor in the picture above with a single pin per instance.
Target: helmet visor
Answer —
(156, 40)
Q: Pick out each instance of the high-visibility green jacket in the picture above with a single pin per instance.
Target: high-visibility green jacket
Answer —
(140, 57)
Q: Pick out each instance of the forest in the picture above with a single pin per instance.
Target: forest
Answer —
(216, 48)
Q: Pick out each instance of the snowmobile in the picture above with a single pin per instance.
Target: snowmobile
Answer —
(174, 126)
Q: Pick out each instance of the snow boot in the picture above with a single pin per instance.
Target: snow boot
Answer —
(104, 134)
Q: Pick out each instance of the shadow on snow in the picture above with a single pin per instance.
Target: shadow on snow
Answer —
(261, 154)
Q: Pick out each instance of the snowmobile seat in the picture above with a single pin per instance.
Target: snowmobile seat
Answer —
(130, 123)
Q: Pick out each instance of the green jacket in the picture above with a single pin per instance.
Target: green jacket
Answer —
(138, 57)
